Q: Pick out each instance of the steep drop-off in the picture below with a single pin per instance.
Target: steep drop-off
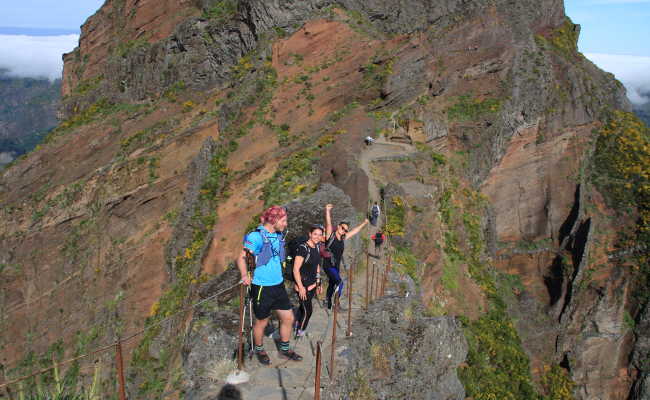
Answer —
(505, 205)
(643, 111)
(28, 109)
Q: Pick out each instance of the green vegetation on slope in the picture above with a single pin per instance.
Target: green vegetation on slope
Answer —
(497, 366)
(221, 10)
(468, 108)
(622, 174)
(563, 40)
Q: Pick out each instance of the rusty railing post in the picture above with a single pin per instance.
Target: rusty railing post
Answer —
(240, 348)
(349, 332)
(386, 272)
(337, 299)
(120, 368)
(372, 281)
(378, 280)
(318, 372)
(367, 275)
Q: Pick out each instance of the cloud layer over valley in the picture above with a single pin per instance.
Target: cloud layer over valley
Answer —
(35, 56)
(632, 71)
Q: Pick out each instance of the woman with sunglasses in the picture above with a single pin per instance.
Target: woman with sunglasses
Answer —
(306, 273)
(336, 246)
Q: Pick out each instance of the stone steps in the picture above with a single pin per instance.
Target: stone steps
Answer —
(290, 380)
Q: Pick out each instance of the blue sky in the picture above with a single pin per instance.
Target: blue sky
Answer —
(612, 26)
(615, 35)
(65, 15)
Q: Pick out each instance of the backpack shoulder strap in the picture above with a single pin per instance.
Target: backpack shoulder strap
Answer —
(265, 239)
(308, 253)
(330, 240)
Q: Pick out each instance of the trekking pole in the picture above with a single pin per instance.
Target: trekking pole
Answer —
(318, 372)
(250, 323)
(250, 262)
(242, 317)
(336, 308)
(349, 332)
(120, 369)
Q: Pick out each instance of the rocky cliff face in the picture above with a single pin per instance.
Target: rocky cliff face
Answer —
(27, 111)
(184, 120)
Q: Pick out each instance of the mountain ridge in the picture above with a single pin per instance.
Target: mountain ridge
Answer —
(505, 214)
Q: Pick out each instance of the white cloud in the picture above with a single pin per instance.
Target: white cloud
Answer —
(35, 56)
(632, 71)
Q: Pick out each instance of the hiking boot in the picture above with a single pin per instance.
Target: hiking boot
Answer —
(300, 333)
(291, 355)
(263, 358)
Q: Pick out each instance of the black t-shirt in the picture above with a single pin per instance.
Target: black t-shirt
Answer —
(336, 248)
(309, 269)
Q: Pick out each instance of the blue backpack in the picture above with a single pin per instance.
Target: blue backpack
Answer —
(267, 252)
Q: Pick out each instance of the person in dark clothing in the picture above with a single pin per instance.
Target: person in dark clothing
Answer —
(378, 238)
(306, 273)
(336, 245)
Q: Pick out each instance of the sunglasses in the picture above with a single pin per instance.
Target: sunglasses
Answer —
(344, 229)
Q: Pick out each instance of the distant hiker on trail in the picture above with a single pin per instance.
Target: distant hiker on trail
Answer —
(378, 238)
(374, 214)
(335, 246)
(306, 274)
(368, 140)
(266, 243)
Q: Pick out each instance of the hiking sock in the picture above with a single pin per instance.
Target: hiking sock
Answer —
(259, 348)
(284, 347)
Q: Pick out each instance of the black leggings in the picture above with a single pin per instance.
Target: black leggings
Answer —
(305, 309)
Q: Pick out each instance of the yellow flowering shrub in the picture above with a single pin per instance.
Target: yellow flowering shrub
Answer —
(557, 384)
(622, 161)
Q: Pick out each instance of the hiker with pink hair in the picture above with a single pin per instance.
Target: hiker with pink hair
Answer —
(266, 244)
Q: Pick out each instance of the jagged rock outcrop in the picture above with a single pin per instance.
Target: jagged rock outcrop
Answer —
(211, 339)
(145, 68)
(397, 353)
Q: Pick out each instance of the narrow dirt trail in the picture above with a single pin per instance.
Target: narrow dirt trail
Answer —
(381, 150)
(289, 380)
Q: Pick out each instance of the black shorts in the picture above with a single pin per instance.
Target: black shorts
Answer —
(268, 298)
